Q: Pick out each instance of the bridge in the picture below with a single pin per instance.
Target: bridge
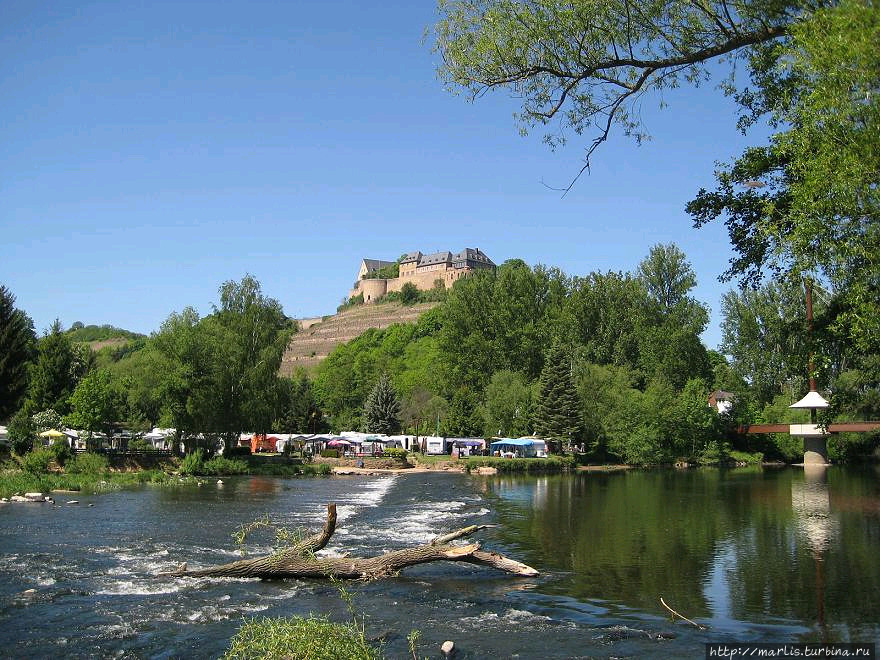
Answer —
(814, 435)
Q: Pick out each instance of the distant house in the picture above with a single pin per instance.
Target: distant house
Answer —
(722, 401)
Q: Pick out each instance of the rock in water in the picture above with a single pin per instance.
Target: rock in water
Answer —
(447, 647)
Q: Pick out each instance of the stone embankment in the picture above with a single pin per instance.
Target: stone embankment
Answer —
(315, 341)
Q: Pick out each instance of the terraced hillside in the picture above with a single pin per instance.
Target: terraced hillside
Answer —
(311, 345)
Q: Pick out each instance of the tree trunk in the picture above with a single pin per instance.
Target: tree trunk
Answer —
(298, 561)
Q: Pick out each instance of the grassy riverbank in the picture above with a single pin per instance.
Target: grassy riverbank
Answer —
(93, 473)
(529, 465)
(14, 481)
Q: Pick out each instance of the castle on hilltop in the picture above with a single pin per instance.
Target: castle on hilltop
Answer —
(422, 270)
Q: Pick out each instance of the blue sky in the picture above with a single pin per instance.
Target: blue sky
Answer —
(153, 150)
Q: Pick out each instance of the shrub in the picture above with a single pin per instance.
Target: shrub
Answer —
(61, 450)
(221, 465)
(396, 452)
(37, 461)
(351, 302)
(409, 294)
(87, 463)
(316, 638)
(234, 452)
(330, 453)
(139, 444)
(750, 458)
(549, 464)
(193, 463)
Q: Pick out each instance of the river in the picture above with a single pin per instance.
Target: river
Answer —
(774, 555)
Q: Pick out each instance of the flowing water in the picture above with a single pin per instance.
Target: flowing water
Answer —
(754, 555)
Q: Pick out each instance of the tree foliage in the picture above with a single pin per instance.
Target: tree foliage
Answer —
(764, 332)
(508, 405)
(248, 333)
(58, 368)
(382, 409)
(582, 66)
(500, 320)
(558, 410)
(96, 404)
(17, 343)
(298, 410)
(813, 207)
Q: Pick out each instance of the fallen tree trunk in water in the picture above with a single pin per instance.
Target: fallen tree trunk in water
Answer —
(298, 561)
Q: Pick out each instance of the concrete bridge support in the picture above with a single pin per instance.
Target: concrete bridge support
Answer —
(815, 450)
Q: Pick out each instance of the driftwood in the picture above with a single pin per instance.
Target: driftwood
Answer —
(298, 560)
(676, 614)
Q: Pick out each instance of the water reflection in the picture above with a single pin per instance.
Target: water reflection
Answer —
(811, 502)
(783, 553)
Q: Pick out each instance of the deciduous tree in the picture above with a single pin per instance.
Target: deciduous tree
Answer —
(96, 404)
(508, 405)
(582, 66)
(248, 333)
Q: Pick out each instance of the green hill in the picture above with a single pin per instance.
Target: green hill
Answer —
(98, 333)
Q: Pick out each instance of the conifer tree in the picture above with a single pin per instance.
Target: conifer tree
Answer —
(17, 341)
(382, 409)
(558, 416)
(54, 374)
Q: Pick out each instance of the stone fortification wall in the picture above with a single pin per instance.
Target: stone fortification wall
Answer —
(423, 280)
(372, 289)
(305, 324)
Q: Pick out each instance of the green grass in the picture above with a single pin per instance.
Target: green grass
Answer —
(430, 459)
(531, 465)
(315, 638)
(272, 469)
(14, 481)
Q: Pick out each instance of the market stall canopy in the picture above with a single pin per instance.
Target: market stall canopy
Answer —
(52, 433)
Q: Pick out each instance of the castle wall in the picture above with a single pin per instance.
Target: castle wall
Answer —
(423, 280)
(372, 289)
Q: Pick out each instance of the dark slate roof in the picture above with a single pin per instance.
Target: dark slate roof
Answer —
(475, 256)
(376, 264)
(411, 256)
(436, 258)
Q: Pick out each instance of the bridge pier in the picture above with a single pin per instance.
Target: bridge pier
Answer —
(815, 450)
